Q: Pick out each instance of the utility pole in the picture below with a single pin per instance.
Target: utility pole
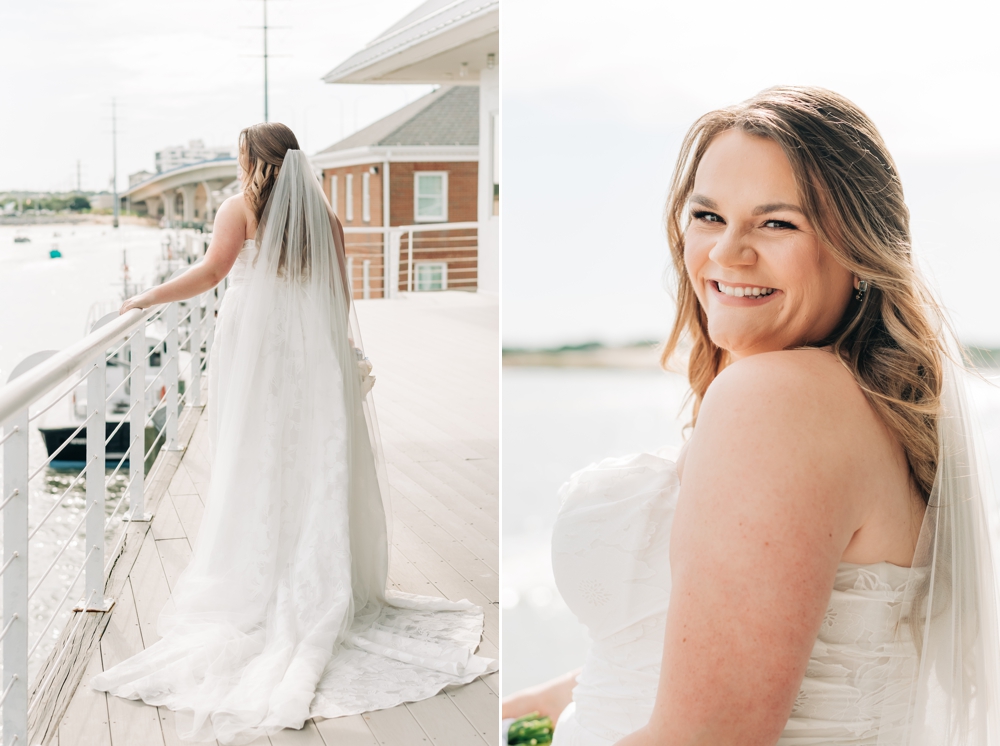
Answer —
(265, 61)
(78, 175)
(114, 157)
(267, 56)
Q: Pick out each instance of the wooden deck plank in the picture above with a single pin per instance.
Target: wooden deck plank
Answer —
(396, 726)
(493, 681)
(175, 555)
(346, 731)
(149, 589)
(480, 705)
(132, 722)
(444, 723)
(86, 720)
(308, 735)
(190, 511)
(166, 524)
(466, 514)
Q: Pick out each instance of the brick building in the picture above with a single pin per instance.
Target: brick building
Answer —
(416, 167)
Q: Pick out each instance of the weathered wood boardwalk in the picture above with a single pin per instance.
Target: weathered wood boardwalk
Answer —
(436, 359)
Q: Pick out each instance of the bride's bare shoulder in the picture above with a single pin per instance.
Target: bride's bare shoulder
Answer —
(794, 408)
(809, 381)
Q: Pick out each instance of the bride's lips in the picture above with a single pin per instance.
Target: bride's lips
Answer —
(732, 300)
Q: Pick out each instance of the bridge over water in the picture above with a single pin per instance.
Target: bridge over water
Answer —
(186, 194)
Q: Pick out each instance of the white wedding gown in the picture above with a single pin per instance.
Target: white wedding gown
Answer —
(282, 613)
(610, 556)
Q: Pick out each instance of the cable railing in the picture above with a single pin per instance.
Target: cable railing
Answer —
(383, 262)
(140, 342)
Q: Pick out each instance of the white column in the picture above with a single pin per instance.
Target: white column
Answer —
(209, 206)
(169, 199)
(188, 192)
(153, 206)
(488, 263)
(391, 289)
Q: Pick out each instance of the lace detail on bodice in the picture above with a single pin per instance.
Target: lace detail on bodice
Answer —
(610, 555)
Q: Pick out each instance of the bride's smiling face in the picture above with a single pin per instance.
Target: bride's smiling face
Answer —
(761, 273)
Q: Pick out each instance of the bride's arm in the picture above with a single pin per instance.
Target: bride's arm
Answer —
(228, 236)
(768, 503)
(550, 698)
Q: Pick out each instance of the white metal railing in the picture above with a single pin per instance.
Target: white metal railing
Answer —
(382, 262)
(189, 325)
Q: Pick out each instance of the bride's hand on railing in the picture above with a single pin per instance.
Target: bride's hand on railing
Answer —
(136, 301)
(548, 699)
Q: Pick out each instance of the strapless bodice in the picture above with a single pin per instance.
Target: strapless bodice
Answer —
(610, 556)
(239, 271)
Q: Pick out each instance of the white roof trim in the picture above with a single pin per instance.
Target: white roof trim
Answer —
(444, 19)
(395, 154)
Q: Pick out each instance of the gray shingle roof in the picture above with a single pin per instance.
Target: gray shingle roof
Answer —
(447, 116)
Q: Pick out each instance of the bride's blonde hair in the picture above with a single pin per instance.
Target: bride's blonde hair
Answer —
(891, 340)
(262, 149)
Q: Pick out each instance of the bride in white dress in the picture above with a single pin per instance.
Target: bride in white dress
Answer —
(283, 612)
(815, 568)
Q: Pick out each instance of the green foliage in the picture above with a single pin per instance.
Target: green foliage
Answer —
(531, 730)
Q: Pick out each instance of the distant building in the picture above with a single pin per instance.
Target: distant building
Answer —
(195, 152)
(417, 166)
(454, 43)
(138, 177)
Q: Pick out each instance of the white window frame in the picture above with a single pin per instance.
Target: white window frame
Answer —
(349, 197)
(443, 218)
(333, 192)
(437, 263)
(366, 197)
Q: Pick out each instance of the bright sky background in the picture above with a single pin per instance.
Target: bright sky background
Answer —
(597, 97)
(180, 70)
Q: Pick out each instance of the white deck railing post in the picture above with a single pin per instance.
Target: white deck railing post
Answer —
(209, 324)
(137, 429)
(366, 285)
(391, 273)
(170, 374)
(409, 260)
(15, 579)
(93, 597)
(197, 325)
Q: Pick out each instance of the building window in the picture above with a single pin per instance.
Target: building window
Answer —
(431, 275)
(366, 197)
(349, 196)
(430, 196)
(333, 192)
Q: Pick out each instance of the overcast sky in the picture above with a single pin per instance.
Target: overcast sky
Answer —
(596, 99)
(180, 70)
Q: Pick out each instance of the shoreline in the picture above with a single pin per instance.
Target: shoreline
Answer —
(642, 356)
(84, 219)
(646, 356)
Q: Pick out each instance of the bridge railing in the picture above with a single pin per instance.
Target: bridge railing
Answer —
(38, 383)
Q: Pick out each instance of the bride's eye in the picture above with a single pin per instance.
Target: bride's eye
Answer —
(706, 216)
(780, 225)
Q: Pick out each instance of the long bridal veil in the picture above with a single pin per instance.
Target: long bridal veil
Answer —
(283, 613)
(950, 694)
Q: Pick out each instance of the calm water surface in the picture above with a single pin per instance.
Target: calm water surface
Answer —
(44, 304)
